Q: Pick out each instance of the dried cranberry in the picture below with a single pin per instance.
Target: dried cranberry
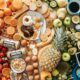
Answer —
(2, 54)
(0, 47)
(4, 60)
(4, 49)
(1, 68)
(0, 32)
(1, 61)
(6, 65)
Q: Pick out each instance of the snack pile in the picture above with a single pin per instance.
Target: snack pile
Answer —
(39, 40)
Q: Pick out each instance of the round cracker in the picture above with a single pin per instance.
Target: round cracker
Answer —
(17, 37)
(10, 30)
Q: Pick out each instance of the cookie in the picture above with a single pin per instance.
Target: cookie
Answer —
(16, 36)
(10, 30)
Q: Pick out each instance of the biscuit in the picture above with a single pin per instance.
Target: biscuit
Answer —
(10, 30)
(16, 36)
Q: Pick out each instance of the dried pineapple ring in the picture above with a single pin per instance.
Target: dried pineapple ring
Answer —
(7, 19)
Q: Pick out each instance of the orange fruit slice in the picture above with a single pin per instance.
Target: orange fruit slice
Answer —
(43, 37)
(13, 22)
(6, 72)
(37, 19)
(37, 26)
(3, 4)
(1, 14)
(48, 31)
(3, 78)
(35, 35)
(7, 19)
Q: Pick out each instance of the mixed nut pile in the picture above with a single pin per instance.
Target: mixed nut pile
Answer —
(39, 40)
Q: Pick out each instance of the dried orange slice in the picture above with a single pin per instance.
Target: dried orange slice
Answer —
(3, 78)
(37, 25)
(6, 72)
(43, 37)
(35, 35)
(7, 19)
(48, 31)
(1, 13)
(13, 22)
(37, 19)
(3, 4)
